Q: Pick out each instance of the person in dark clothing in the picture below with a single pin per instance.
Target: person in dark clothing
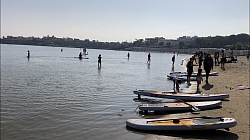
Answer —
(99, 60)
(80, 55)
(216, 58)
(208, 65)
(173, 59)
(28, 54)
(128, 55)
(200, 60)
(189, 69)
(149, 56)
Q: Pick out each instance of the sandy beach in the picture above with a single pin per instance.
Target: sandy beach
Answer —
(237, 105)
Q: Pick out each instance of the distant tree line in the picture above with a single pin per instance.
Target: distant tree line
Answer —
(61, 42)
(234, 42)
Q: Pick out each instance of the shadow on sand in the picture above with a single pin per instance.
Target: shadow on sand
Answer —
(198, 134)
(207, 86)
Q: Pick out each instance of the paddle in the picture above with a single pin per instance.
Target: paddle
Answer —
(137, 107)
(194, 108)
(177, 120)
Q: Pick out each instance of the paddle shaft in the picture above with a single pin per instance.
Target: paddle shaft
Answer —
(195, 108)
(205, 117)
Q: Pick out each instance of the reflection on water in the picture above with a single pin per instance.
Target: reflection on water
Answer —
(54, 95)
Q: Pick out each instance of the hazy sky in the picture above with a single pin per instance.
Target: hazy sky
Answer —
(121, 20)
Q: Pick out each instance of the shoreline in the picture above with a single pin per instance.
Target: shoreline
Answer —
(237, 105)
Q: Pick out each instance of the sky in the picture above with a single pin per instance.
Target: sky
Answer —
(123, 20)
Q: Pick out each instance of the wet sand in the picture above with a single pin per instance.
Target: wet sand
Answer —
(237, 105)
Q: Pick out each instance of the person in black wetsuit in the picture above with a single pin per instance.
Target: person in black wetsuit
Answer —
(173, 59)
(189, 69)
(28, 54)
(80, 55)
(208, 65)
(200, 60)
(99, 60)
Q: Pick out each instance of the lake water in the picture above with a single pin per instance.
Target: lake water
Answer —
(53, 95)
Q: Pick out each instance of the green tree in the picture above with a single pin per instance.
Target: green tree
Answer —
(238, 46)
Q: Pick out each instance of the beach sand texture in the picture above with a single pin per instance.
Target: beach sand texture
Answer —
(237, 105)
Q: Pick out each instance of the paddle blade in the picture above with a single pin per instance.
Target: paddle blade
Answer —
(195, 108)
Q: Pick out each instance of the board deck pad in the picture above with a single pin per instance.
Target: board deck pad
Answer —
(186, 121)
(178, 104)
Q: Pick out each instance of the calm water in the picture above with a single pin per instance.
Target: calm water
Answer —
(54, 95)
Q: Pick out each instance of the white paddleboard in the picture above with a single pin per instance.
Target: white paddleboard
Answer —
(184, 78)
(181, 96)
(180, 106)
(194, 74)
(193, 123)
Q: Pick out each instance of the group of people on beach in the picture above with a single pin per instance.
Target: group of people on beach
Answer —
(208, 63)
(208, 66)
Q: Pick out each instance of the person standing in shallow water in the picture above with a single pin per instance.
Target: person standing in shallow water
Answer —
(149, 56)
(80, 55)
(128, 55)
(173, 59)
(99, 60)
(28, 54)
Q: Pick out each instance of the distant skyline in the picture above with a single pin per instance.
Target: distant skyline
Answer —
(124, 20)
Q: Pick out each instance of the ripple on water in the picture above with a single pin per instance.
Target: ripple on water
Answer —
(55, 96)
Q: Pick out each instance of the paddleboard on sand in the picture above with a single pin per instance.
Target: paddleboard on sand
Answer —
(242, 87)
(194, 74)
(181, 96)
(192, 123)
(180, 106)
(183, 78)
